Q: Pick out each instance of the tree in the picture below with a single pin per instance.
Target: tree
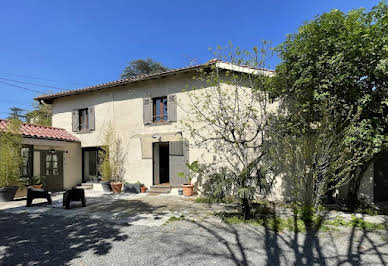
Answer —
(112, 167)
(10, 155)
(142, 67)
(16, 113)
(314, 162)
(41, 115)
(228, 116)
(343, 57)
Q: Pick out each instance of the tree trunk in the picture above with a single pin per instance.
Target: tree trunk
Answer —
(245, 208)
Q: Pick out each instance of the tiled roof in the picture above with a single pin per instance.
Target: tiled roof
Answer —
(127, 81)
(42, 132)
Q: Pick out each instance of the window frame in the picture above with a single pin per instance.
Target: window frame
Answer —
(80, 119)
(29, 167)
(163, 115)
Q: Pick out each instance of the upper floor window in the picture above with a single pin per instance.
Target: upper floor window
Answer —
(160, 109)
(160, 113)
(83, 120)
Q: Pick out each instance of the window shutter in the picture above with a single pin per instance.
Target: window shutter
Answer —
(172, 108)
(75, 121)
(147, 111)
(92, 118)
(177, 162)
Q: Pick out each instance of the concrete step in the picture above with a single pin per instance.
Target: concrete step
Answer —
(86, 186)
(159, 189)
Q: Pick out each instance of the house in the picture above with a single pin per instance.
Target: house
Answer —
(51, 152)
(146, 112)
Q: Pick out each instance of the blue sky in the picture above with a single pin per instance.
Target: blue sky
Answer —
(72, 44)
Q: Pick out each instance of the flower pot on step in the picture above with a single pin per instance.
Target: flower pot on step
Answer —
(116, 187)
(143, 189)
(188, 189)
(7, 193)
(106, 186)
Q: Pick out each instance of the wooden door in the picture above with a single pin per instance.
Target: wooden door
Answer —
(51, 165)
(178, 155)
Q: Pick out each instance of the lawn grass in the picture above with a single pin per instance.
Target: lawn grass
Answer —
(296, 224)
(174, 219)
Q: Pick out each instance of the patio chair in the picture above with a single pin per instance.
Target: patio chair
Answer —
(36, 193)
(74, 194)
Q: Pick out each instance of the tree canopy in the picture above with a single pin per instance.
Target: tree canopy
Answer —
(142, 67)
(340, 58)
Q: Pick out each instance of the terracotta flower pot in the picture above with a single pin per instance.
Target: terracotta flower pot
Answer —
(143, 189)
(37, 186)
(116, 187)
(188, 189)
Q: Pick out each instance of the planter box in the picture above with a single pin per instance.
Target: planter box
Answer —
(131, 188)
(106, 186)
(7, 193)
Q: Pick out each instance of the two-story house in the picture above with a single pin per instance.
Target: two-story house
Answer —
(145, 111)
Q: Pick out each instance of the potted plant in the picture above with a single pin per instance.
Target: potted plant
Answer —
(193, 170)
(10, 160)
(33, 181)
(143, 188)
(112, 167)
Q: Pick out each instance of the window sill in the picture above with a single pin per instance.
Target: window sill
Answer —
(159, 123)
(84, 131)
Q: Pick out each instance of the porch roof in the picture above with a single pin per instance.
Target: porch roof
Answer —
(41, 132)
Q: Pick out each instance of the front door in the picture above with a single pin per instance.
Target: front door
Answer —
(160, 158)
(51, 163)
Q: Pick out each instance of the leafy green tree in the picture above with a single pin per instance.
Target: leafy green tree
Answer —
(10, 155)
(142, 67)
(340, 56)
(41, 115)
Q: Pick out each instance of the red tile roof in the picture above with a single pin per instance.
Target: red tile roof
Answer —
(42, 132)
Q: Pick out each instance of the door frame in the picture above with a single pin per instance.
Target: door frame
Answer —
(153, 161)
(61, 175)
(98, 149)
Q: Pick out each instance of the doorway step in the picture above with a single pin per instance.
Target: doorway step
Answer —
(86, 186)
(160, 189)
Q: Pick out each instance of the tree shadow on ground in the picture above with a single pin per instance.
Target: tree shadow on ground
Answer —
(34, 236)
(242, 244)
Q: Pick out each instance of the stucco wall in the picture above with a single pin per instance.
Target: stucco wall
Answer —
(122, 107)
(72, 159)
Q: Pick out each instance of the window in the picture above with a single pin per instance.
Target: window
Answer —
(83, 119)
(160, 109)
(52, 165)
(27, 153)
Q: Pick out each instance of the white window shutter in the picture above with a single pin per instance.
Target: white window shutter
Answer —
(75, 121)
(92, 118)
(147, 111)
(172, 108)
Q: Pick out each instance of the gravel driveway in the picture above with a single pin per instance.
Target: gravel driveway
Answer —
(43, 239)
(130, 230)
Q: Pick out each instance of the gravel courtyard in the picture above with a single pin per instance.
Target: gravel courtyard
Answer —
(128, 230)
